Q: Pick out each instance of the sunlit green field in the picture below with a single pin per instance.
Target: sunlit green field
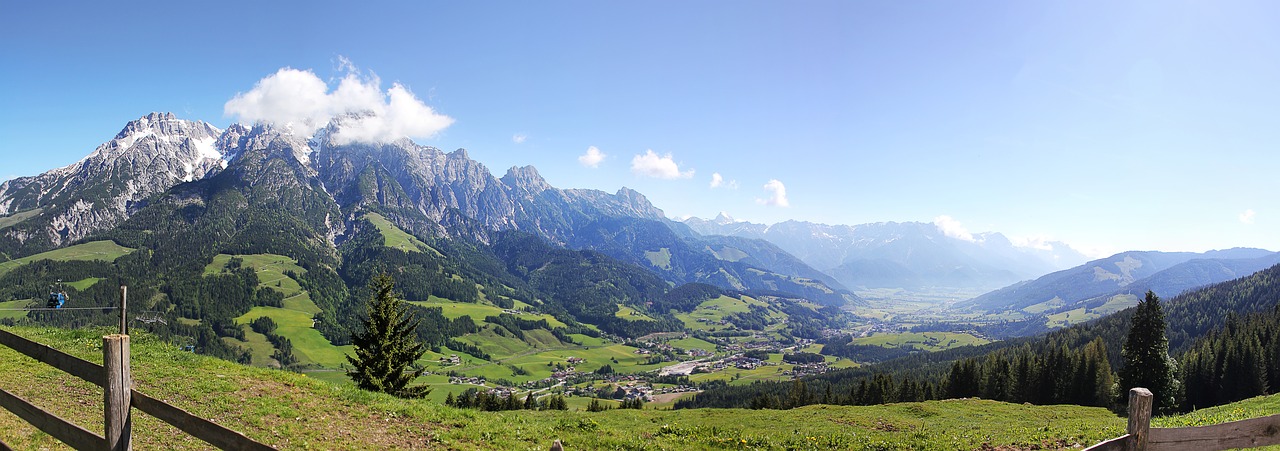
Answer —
(1080, 315)
(294, 320)
(395, 237)
(926, 341)
(628, 313)
(478, 311)
(84, 284)
(14, 309)
(15, 218)
(107, 251)
(715, 310)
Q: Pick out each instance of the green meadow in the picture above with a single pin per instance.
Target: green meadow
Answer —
(107, 251)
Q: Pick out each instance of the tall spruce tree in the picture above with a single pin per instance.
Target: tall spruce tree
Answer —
(388, 345)
(1146, 356)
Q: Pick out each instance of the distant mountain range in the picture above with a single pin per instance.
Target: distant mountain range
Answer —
(1128, 273)
(901, 255)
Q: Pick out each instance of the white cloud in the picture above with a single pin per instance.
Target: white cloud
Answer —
(519, 138)
(662, 167)
(951, 227)
(345, 65)
(1095, 252)
(1040, 242)
(1247, 216)
(718, 181)
(592, 158)
(777, 196)
(300, 100)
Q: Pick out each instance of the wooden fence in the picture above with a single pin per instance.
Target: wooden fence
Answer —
(1250, 433)
(118, 399)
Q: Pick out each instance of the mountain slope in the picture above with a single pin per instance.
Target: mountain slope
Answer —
(763, 254)
(653, 245)
(427, 191)
(1120, 274)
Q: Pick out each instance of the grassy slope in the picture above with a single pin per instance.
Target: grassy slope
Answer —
(293, 320)
(85, 283)
(630, 314)
(1080, 315)
(293, 411)
(14, 309)
(715, 310)
(927, 341)
(396, 237)
(95, 250)
(477, 311)
(15, 218)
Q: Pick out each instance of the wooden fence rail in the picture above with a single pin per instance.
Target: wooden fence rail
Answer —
(1249, 433)
(118, 399)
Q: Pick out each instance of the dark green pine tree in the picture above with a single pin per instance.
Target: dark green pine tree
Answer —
(1146, 356)
(388, 345)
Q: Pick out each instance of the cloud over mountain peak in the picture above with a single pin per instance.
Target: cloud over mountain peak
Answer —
(299, 100)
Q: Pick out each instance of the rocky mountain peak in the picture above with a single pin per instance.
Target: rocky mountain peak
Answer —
(150, 155)
(526, 179)
(638, 204)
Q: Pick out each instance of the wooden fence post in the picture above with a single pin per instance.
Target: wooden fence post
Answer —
(1139, 418)
(124, 323)
(118, 392)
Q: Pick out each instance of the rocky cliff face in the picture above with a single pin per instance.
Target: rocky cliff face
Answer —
(149, 156)
(460, 195)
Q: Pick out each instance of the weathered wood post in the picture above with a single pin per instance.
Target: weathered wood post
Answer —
(124, 322)
(118, 392)
(1139, 418)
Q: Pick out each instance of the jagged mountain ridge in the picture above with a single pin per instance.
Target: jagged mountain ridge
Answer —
(910, 254)
(148, 156)
(325, 185)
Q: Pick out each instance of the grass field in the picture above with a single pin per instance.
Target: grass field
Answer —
(308, 345)
(15, 218)
(693, 343)
(293, 411)
(293, 320)
(1080, 315)
(477, 311)
(107, 251)
(1045, 306)
(8, 308)
(395, 237)
(660, 258)
(630, 314)
(85, 283)
(926, 341)
(712, 311)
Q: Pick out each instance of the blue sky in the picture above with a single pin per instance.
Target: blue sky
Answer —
(1142, 125)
